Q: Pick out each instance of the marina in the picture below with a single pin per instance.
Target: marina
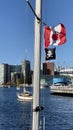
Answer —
(46, 111)
(17, 115)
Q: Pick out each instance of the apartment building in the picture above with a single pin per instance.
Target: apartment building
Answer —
(26, 68)
(9, 73)
(6, 70)
(48, 68)
(4, 73)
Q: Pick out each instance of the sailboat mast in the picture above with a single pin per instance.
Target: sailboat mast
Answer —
(37, 66)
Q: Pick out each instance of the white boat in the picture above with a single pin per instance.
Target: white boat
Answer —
(18, 88)
(61, 86)
(26, 95)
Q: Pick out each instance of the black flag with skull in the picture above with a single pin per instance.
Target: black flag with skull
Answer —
(50, 53)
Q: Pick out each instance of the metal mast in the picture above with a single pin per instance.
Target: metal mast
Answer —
(37, 65)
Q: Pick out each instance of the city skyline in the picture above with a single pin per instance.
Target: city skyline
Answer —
(17, 30)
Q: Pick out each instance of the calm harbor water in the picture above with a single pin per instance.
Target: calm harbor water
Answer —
(17, 115)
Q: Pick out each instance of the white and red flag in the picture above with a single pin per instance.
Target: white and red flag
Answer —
(54, 36)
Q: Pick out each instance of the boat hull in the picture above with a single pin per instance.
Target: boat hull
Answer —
(23, 97)
(62, 90)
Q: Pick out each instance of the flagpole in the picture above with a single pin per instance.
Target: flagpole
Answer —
(37, 66)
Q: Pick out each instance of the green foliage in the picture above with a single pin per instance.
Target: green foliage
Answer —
(28, 80)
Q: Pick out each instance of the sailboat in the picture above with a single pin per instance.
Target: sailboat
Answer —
(25, 95)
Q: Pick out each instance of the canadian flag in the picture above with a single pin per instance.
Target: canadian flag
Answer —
(54, 36)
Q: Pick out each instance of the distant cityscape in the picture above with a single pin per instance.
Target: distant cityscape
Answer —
(15, 74)
(18, 74)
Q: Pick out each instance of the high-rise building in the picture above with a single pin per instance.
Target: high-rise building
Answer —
(10, 72)
(15, 68)
(7, 78)
(26, 71)
(16, 77)
(3, 73)
(6, 70)
(48, 68)
(14, 71)
(26, 68)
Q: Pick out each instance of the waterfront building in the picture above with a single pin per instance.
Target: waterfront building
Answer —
(15, 68)
(26, 70)
(2, 73)
(66, 72)
(48, 68)
(26, 67)
(16, 78)
(9, 73)
(15, 73)
(63, 71)
(6, 70)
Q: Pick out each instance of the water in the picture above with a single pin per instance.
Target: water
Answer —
(17, 115)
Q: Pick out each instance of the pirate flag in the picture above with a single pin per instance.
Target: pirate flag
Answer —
(50, 53)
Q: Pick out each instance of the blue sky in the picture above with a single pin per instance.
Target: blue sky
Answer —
(17, 30)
